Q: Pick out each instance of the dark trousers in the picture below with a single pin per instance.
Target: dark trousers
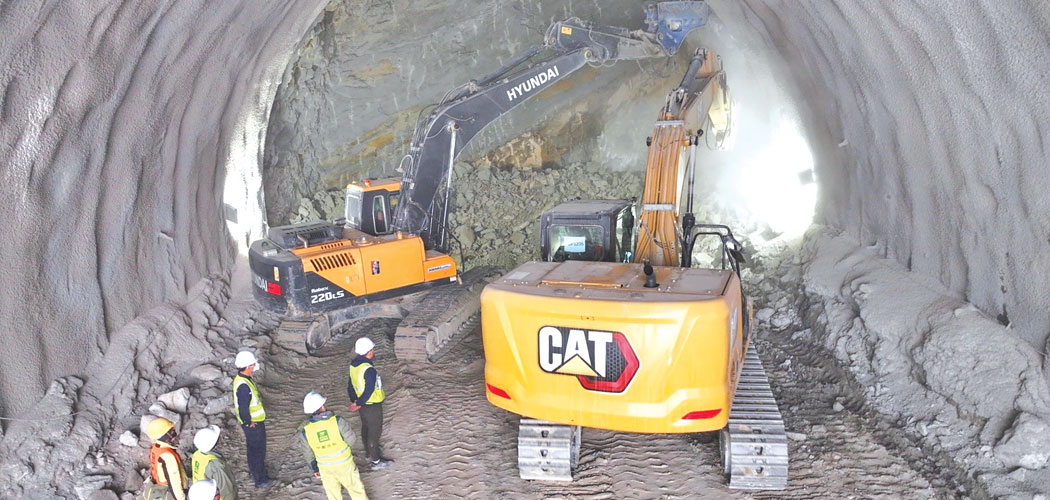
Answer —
(255, 444)
(372, 429)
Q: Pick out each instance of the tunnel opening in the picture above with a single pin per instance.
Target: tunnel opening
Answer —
(348, 104)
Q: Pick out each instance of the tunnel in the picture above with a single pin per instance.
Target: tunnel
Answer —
(886, 169)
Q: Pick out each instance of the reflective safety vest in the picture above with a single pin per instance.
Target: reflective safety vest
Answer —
(255, 406)
(327, 443)
(357, 377)
(155, 452)
(200, 464)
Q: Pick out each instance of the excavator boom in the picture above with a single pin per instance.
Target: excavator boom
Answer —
(466, 110)
(701, 99)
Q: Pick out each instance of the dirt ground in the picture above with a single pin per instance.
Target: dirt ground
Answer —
(449, 442)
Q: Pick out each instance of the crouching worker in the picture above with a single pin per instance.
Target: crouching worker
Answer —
(204, 490)
(208, 464)
(165, 465)
(326, 442)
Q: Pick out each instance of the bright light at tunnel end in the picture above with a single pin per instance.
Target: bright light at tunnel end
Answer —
(775, 182)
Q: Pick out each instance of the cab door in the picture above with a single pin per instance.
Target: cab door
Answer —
(383, 208)
(380, 215)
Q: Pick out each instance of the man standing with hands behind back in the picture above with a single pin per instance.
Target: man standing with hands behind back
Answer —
(365, 389)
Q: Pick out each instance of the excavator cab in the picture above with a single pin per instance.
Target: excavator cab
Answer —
(371, 204)
(590, 230)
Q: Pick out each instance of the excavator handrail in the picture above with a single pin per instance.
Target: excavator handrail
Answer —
(470, 107)
(732, 249)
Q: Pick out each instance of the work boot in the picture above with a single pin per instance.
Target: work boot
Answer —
(382, 463)
(269, 483)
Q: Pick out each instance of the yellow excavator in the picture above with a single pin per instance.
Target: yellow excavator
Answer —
(616, 329)
(394, 240)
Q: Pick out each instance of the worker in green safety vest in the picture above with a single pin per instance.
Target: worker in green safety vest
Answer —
(209, 464)
(325, 443)
(365, 389)
(248, 406)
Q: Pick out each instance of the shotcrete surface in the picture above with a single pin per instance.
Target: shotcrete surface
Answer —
(929, 132)
(119, 124)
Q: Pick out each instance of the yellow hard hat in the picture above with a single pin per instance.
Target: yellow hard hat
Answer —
(158, 428)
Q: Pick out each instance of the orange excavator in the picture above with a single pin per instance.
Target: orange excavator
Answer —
(394, 240)
(616, 329)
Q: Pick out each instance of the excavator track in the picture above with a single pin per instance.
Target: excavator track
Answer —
(754, 443)
(445, 315)
(546, 450)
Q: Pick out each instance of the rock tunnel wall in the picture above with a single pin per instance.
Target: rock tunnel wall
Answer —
(929, 136)
(118, 123)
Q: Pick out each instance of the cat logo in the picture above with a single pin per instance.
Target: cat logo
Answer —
(602, 361)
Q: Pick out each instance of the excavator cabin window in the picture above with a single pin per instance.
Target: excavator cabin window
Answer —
(379, 214)
(353, 209)
(577, 242)
(624, 234)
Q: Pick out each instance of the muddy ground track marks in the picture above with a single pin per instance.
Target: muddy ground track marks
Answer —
(449, 442)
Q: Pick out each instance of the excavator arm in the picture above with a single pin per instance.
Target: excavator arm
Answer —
(701, 100)
(466, 110)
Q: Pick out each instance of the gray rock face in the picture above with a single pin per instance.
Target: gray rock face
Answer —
(348, 103)
(120, 122)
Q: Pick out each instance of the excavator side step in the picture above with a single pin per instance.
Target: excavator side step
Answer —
(547, 451)
(442, 317)
(754, 443)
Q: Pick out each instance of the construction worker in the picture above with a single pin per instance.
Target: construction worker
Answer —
(365, 389)
(326, 442)
(165, 465)
(208, 464)
(204, 490)
(251, 415)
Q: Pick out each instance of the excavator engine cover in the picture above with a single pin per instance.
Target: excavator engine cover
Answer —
(335, 267)
(586, 343)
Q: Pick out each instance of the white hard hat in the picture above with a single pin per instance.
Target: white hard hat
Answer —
(313, 402)
(244, 359)
(363, 345)
(205, 489)
(206, 438)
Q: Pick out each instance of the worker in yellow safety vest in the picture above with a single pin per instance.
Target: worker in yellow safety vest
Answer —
(208, 464)
(248, 407)
(365, 389)
(325, 443)
(165, 466)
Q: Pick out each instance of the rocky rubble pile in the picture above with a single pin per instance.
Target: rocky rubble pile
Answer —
(325, 205)
(496, 212)
(86, 439)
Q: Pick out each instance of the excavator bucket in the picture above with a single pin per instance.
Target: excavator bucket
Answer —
(672, 21)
